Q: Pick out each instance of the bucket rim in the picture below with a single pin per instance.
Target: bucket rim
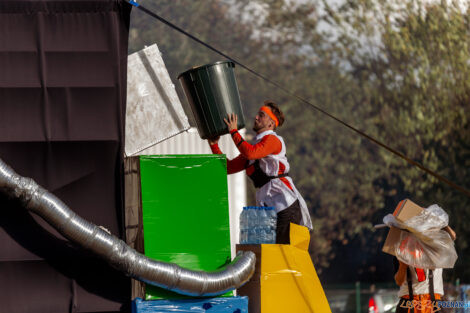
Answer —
(199, 67)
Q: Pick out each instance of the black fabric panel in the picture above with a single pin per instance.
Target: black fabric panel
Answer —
(77, 173)
(64, 6)
(63, 67)
(62, 286)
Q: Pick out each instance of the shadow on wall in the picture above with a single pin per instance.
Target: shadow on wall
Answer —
(79, 269)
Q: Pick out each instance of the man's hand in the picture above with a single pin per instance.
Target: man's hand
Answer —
(213, 141)
(451, 232)
(400, 275)
(231, 121)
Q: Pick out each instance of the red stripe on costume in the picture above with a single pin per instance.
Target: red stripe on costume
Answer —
(282, 169)
(421, 274)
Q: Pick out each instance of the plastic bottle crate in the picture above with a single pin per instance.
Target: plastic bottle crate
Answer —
(258, 225)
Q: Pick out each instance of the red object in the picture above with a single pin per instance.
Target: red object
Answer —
(270, 113)
(269, 144)
(233, 166)
(421, 274)
(282, 169)
(373, 306)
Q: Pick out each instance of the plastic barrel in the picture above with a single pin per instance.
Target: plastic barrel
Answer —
(212, 93)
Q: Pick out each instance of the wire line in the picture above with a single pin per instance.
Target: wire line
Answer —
(301, 99)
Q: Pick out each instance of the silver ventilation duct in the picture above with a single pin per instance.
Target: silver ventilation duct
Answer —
(116, 252)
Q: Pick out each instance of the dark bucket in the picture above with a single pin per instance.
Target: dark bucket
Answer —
(212, 93)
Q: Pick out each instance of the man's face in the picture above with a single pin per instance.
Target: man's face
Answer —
(262, 122)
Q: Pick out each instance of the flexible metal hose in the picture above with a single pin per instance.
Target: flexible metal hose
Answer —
(116, 252)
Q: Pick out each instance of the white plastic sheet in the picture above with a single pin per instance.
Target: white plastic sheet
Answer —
(423, 243)
(154, 112)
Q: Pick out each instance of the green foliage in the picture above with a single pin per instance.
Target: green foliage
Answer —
(418, 81)
(398, 71)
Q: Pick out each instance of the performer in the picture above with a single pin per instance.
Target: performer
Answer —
(266, 164)
(420, 289)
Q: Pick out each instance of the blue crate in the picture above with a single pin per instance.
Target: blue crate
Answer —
(204, 305)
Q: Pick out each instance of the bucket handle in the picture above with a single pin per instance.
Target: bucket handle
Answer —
(191, 75)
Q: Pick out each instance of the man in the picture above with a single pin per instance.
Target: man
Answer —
(421, 290)
(266, 164)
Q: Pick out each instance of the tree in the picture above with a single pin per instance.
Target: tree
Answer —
(418, 80)
(398, 72)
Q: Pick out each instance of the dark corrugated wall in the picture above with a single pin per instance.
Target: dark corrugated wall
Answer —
(63, 68)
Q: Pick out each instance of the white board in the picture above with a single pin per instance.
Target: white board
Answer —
(154, 112)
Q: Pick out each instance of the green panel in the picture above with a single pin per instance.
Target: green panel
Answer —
(185, 213)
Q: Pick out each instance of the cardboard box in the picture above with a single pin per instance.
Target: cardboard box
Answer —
(405, 210)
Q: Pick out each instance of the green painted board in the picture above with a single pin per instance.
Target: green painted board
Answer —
(185, 213)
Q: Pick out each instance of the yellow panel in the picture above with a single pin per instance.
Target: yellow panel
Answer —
(299, 236)
(289, 282)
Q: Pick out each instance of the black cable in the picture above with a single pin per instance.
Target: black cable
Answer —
(401, 155)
